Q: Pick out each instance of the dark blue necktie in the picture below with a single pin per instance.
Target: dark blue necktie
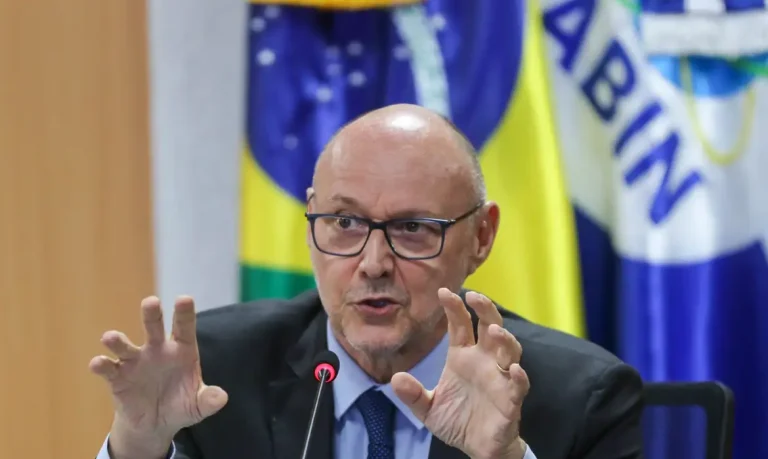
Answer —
(379, 416)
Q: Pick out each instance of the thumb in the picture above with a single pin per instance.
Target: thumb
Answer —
(211, 399)
(412, 393)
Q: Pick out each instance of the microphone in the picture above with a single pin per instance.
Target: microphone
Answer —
(326, 368)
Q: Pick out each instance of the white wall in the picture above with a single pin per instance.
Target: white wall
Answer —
(197, 50)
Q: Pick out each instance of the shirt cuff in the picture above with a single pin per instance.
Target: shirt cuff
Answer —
(104, 452)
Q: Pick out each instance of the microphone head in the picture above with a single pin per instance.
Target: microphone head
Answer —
(328, 361)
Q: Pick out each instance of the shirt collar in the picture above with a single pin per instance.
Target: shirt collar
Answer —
(352, 381)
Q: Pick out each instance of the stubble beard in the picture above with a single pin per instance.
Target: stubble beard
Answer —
(382, 360)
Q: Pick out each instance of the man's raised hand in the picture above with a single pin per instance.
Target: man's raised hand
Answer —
(476, 406)
(157, 388)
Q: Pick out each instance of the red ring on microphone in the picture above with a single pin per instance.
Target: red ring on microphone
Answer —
(327, 367)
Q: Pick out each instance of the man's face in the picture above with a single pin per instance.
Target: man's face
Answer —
(378, 302)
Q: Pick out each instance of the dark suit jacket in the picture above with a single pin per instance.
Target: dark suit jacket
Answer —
(583, 403)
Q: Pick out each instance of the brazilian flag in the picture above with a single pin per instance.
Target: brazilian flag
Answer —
(315, 65)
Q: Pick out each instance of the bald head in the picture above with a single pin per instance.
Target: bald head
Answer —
(408, 130)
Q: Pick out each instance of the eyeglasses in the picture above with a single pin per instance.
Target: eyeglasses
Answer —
(409, 238)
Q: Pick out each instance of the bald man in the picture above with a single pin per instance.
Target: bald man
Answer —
(397, 219)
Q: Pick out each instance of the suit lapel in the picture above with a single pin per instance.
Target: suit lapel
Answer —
(439, 450)
(292, 396)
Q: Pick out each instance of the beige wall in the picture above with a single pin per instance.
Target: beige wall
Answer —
(75, 238)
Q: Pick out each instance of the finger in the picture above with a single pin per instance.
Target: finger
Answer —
(520, 384)
(104, 366)
(184, 330)
(120, 345)
(507, 348)
(515, 389)
(487, 314)
(210, 399)
(152, 316)
(412, 393)
(460, 332)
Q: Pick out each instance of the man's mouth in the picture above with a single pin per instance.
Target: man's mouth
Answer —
(378, 303)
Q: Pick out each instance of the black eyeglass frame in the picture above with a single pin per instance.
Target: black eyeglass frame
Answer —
(382, 225)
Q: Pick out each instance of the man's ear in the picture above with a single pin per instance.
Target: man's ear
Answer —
(310, 193)
(484, 235)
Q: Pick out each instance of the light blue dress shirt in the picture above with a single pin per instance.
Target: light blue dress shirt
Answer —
(412, 439)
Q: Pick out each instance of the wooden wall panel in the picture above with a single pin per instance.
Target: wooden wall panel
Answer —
(75, 219)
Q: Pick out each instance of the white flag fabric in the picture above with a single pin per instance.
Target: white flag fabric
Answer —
(666, 159)
(724, 28)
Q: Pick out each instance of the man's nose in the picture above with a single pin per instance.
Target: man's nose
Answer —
(378, 259)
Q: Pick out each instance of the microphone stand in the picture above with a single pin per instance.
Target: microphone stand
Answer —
(323, 376)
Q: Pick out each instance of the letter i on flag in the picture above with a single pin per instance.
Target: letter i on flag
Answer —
(314, 67)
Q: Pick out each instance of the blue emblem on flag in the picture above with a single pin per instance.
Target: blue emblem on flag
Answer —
(707, 76)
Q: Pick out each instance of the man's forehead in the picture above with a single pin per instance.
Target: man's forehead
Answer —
(406, 174)
(390, 206)
(386, 192)
(385, 184)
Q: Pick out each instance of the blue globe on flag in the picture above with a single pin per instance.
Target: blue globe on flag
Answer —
(708, 76)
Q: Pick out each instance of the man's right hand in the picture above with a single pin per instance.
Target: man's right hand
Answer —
(157, 388)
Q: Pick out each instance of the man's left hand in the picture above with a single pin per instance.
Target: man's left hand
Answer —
(476, 405)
